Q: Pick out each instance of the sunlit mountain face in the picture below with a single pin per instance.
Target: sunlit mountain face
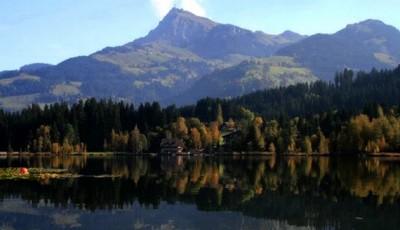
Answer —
(172, 63)
(360, 46)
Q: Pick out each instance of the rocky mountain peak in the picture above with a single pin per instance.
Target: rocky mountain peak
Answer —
(180, 27)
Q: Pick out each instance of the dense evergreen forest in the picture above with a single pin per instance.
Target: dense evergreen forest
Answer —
(357, 113)
(350, 92)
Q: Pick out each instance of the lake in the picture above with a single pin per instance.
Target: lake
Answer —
(126, 192)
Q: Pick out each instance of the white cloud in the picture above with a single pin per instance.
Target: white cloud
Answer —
(161, 7)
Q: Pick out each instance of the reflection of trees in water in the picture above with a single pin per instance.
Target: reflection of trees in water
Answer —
(375, 178)
(299, 189)
(72, 163)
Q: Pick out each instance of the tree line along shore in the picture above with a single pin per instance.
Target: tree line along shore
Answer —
(358, 113)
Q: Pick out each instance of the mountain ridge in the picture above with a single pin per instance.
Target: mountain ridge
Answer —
(359, 46)
(173, 59)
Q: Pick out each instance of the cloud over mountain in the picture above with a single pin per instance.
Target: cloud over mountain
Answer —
(162, 7)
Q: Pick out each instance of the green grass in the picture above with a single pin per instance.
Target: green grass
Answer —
(385, 58)
(139, 84)
(23, 76)
(14, 173)
(11, 173)
(278, 71)
(66, 89)
(148, 58)
(45, 174)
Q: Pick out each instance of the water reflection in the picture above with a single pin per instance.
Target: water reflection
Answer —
(260, 193)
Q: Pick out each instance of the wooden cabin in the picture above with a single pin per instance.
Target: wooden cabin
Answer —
(229, 138)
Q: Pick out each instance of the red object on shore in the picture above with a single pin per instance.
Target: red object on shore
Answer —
(23, 171)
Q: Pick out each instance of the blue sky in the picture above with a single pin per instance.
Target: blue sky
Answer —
(50, 31)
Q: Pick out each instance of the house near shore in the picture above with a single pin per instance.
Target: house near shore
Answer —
(229, 135)
(229, 138)
(171, 146)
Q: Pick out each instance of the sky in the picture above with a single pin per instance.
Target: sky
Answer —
(50, 31)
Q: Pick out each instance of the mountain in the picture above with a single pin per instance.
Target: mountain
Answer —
(213, 40)
(361, 46)
(187, 57)
(248, 76)
(160, 66)
(344, 98)
(34, 67)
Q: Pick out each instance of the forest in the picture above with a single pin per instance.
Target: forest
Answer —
(357, 113)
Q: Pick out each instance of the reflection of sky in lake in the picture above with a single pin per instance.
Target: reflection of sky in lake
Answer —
(17, 214)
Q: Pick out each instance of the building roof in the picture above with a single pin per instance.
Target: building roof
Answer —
(171, 142)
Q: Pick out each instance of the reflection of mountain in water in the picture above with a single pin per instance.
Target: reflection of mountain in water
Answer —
(320, 192)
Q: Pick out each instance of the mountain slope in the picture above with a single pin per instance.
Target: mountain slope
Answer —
(362, 46)
(189, 57)
(247, 77)
(162, 65)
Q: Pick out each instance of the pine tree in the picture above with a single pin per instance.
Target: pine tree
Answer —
(220, 117)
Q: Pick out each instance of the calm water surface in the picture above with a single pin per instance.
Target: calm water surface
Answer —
(204, 193)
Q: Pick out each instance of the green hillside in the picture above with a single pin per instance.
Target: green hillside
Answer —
(248, 76)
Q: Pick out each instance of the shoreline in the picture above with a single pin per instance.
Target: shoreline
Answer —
(205, 154)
